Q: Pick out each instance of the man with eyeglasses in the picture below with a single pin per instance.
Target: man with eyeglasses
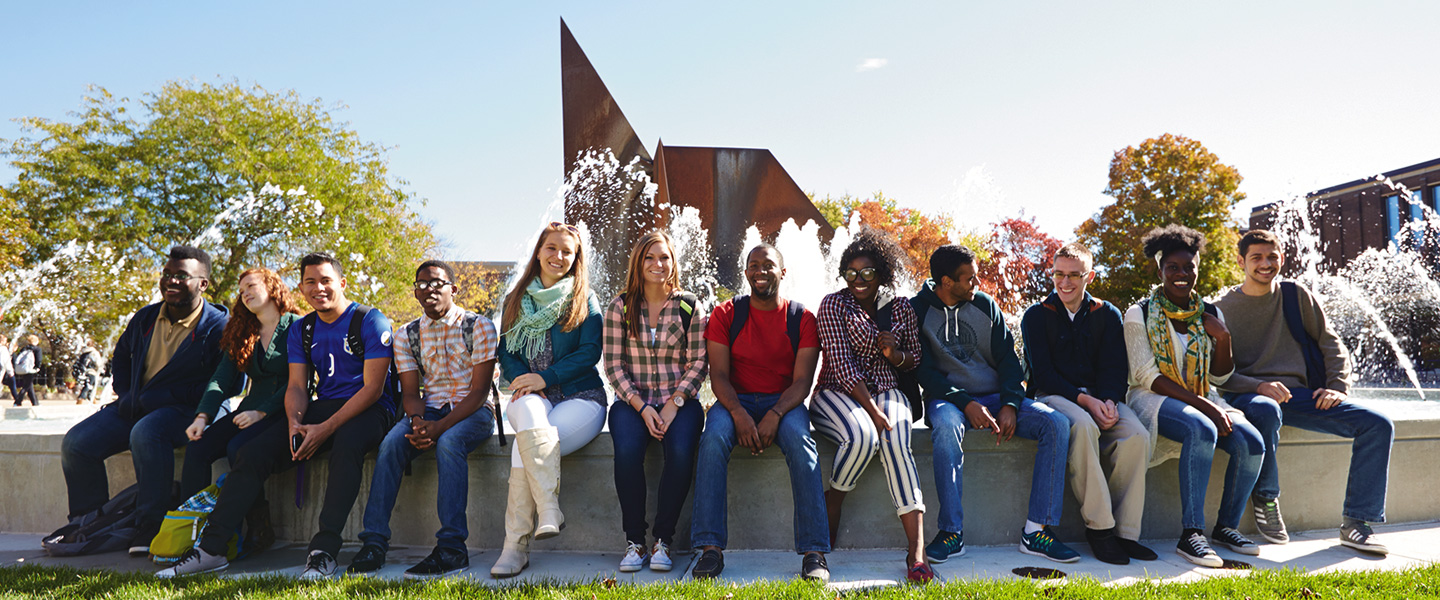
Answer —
(162, 363)
(446, 360)
(1075, 350)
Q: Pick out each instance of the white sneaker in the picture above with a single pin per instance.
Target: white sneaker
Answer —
(194, 562)
(320, 565)
(660, 557)
(634, 558)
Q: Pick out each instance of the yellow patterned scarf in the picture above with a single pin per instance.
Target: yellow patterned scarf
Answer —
(1191, 371)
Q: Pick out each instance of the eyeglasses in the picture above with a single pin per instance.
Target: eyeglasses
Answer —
(178, 277)
(433, 284)
(559, 225)
(1059, 276)
(866, 274)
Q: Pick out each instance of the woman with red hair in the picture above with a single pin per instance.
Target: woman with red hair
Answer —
(253, 345)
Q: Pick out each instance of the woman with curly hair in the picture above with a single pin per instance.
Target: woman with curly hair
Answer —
(1179, 351)
(867, 338)
(252, 345)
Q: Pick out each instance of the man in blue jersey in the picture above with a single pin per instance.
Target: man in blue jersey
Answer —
(349, 414)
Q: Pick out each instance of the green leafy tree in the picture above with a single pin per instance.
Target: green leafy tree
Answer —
(255, 177)
(1168, 179)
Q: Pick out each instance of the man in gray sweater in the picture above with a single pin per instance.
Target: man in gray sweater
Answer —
(1301, 378)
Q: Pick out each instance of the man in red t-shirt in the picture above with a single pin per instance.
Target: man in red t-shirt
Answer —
(758, 381)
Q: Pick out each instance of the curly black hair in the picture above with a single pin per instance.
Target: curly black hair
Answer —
(1163, 241)
(881, 249)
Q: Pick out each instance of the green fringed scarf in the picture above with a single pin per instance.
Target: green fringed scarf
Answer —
(540, 308)
(1191, 370)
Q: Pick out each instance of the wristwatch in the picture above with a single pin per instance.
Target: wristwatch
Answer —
(679, 400)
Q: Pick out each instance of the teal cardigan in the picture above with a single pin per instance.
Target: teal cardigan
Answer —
(269, 373)
(577, 355)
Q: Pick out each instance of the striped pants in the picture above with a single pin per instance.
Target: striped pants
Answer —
(841, 419)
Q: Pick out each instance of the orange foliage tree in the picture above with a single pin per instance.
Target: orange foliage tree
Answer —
(917, 233)
(1017, 272)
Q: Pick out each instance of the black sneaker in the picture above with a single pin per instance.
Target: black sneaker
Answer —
(1106, 547)
(140, 544)
(710, 564)
(368, 560)
(1359, 535)
(1195, 549)
(1136, 550)
(945, 545)
(441, 562)
(813, 568)
(1268, 520)
(1230, 538)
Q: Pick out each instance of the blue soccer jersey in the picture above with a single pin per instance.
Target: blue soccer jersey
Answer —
(341, 373)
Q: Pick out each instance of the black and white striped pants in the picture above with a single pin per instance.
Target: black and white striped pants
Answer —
(841, 419)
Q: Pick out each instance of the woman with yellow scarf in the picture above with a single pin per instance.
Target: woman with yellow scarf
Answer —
(1179, 350)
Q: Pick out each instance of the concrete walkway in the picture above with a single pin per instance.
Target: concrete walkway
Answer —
(1316, 552)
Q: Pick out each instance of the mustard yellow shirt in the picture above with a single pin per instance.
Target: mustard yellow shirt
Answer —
(166, 340)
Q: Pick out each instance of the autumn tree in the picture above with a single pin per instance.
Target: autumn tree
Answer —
(254, 177)
(481, 285)
(1017, 270)
(917, 233)
(1169, 179)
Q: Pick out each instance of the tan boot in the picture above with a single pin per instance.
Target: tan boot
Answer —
(519, 523)
(540, 452)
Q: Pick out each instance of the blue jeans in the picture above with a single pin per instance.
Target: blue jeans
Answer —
(708, 524)
(151, 440)
(631, 438)
(1198, 438)
(1373, 433)
(1035, 421)
(452, 453)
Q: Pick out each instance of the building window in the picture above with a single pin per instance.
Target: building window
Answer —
(1392, 219)
(1417, 217)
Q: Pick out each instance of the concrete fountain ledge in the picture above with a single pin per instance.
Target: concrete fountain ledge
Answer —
(1314, 468)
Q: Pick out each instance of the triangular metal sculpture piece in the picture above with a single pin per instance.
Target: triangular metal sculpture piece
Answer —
(733, 188)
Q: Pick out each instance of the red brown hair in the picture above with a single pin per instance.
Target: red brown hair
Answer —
(243, 331)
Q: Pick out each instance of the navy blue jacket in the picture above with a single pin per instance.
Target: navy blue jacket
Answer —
(1063, 356)
(182, 381)
(577, 355)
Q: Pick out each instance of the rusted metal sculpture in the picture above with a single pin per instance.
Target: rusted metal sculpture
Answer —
(733, 188)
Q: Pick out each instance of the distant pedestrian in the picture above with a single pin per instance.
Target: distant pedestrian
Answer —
(87, 371)
(7, 369)
(27, 367)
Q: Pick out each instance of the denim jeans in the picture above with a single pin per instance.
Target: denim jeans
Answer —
(1373, 433)
(452, 452)
(221, 438)
(1198, 439)
(1035, 421)
(708, 523)
(631, 438)
(151, 440)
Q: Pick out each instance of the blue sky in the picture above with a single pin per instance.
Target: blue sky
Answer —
(979, 109)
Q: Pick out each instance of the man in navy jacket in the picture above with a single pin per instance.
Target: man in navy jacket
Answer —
(161, 365)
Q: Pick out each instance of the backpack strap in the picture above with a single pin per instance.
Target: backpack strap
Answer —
(412, 335)
(307, 342)
(794, 311)
(742, 313)
(687, 309)
(1309, 348)
(885, 316)
(353, 337)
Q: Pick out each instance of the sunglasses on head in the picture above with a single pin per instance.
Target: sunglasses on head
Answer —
(566, 226)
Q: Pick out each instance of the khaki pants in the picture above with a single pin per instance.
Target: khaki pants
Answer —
(1123, 450)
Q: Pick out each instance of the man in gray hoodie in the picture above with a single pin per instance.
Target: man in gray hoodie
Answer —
(971, 376)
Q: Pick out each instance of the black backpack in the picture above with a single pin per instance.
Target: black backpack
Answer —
(355, 342)
(106, 529)
(687, 310)
(793, 312)
(1309, 348)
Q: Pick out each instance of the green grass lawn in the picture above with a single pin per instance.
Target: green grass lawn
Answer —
(51, 582)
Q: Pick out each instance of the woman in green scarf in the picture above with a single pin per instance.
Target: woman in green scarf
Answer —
(550, 345)
(1179, 350)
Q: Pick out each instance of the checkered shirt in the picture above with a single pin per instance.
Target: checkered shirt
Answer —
(848, 342)
(442, 348)
(675, 362)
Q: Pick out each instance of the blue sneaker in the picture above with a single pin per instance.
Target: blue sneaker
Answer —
(945, 545)
(1043, 543)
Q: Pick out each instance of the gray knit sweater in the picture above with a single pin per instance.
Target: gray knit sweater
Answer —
(1264, 349)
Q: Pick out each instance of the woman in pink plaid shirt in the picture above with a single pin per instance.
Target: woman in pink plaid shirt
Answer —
(866, 338)
(655, 360)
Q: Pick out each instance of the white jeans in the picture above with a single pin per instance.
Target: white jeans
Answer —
(578, 421)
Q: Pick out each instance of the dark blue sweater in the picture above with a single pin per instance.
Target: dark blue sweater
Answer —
(1063, 356)
(181, 381)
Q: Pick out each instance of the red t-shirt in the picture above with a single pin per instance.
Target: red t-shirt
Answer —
(761, 361)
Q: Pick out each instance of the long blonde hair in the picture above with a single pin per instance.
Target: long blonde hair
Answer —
(635, 277)
(580, 295)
